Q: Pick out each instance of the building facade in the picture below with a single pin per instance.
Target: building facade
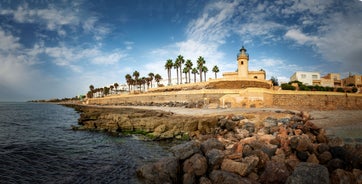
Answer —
(353, 80)
(243, 68)
(307, 78)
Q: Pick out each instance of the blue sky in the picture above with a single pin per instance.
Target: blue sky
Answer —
(56, 49)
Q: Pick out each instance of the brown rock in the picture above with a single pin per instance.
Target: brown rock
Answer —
(224, 177)
(183, 151)
(275, 172)
(263, 158)
(292, 161)
(309, 173)
(358, 175)
(204, 180)
(298, 132)
(242, 168)
(321, 137)
(197, 165)
(313, 159)
(325, 157)
(188, 178)
(340, 176)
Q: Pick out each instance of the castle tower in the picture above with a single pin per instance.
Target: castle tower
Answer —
(243, 62)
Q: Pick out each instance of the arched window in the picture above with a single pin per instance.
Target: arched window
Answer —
(242, 62)
(255, 77)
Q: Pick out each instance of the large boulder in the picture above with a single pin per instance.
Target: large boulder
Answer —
(165, 170)
(215, 158)
(183, 151)
(224, 177)
(275, 172)
(242, 168)
(196, 165)
(211, 144)
(310, 173)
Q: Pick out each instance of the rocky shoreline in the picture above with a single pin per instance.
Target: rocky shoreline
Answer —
(263, 147)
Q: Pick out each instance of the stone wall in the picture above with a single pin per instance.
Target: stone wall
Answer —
(242, 98)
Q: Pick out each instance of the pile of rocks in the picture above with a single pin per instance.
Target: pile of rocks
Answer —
(285, 150)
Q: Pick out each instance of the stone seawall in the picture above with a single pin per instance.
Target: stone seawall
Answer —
(244, 98)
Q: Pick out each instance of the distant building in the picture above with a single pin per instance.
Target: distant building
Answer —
(243, 68)
(306, 78)
(353, 80)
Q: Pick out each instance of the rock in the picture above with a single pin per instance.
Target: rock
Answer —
(247, 149)
(223, 177)
(313, 159)
(292, 161)
(215, 158)
(358, 175)
(300, 143)
(165, 170)
(183, 151)
(250, 127)
(309, 173)
(336, 163)
(275, 172)
(338, 152)
(270, 122)
(197, 165)
(204, 180)
(242, 168)
(321, 137)
(211, 144)
(335, 141)
(340, 176)
(284, 121)
(263, 158)
(188, 178)
(302, 155)
(325, 157)
(323, 147)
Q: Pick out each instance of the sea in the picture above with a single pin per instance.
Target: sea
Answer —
(37, 145)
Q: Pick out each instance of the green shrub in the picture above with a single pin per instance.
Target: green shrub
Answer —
(340, 90)
(304, 88)
(354, 89)
(287, 87)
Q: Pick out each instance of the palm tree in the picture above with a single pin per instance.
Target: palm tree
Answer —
(188, 65)
(194, 71)
(158, 78)
(136, 74)
(176, 65)
(205, 70)
(185, 71)
(111, 87)
(151, 76)
(116, 86)
(181, 61)
(91, 88)
(129, 81)
(215, 70)
(200, 64)
(168, 66)
(105, 91)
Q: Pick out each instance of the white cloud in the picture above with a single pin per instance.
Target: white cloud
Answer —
(108, 59)
(8, 42)
(299, 37)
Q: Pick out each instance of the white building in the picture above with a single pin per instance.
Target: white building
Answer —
(305, 77)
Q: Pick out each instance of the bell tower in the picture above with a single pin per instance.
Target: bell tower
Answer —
(243, 62)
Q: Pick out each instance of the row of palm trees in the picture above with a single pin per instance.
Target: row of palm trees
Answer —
(141, 81)
(199, 69)
(98, 92)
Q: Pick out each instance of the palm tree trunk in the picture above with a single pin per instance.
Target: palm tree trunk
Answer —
(200, 75)
(189, 77)
(205, 76)
(195, 78)
(177, 76)
(180, 75)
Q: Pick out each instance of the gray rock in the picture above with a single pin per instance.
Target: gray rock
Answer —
(310, 173)
(215, 158)
(197, 165)
(165, 170)
(211, 144)
(183, 151)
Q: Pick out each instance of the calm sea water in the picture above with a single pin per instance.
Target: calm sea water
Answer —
(37, 145)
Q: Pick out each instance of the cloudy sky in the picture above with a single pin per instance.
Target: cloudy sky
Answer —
(56, 49)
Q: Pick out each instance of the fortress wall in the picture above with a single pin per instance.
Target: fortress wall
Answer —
(244, 98)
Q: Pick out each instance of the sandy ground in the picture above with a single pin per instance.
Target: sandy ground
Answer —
(346, 124)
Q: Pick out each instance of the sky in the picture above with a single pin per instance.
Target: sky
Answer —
(57, 48)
